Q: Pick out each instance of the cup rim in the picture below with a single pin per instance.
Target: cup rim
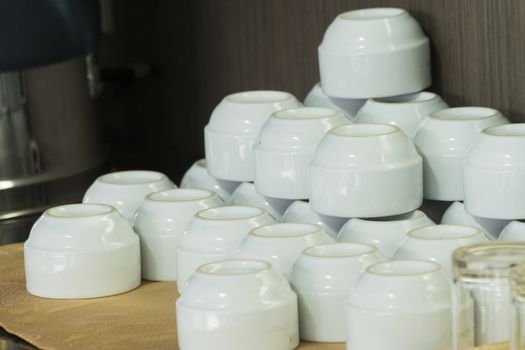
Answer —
(233, 98)
(261, 211)
(104, 178)
(264, 265)
(315, 229)
(398, 12)
(474, 231)
(476, 261)
(416, 214)
(153, 196)
(108, 209)
(390, 100)
(490, 130)
(341, 131)
(438, 115)
(302, 117)
(435, 268)
(371, 250)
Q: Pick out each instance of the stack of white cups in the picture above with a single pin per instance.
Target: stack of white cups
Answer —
(303, 221)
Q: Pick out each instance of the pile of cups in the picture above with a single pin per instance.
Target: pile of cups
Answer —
(303, 222)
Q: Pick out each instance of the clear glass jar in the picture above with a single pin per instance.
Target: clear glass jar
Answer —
(481, 298)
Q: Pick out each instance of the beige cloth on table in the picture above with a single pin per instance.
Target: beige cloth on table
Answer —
(141, 319)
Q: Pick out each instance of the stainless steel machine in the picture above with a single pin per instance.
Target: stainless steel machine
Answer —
(49, 143)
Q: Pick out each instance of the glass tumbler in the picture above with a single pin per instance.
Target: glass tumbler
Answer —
(517, 278)
(481, 298)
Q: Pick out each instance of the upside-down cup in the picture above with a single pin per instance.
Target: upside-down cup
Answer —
(457, 215)
(160, 222)
(245, 194)
(513, 231)
(125, 190)
(237, 305)
(300, 211)
(386, 233)
(233, 130)
(405, 111)
(215, 234)
(493, 172)
(197, 176)
(375, 52)
(400, 305)
(317, 98)
(443, 140)
(438, 242)
(79, 251)
(282, 244)
(322, 278)
(286, 146)
(365, 170)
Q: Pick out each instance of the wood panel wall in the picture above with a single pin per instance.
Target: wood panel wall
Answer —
(204, 49)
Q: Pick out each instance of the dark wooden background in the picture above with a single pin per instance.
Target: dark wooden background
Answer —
(204, 49)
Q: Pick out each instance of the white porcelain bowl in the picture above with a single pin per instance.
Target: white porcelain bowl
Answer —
(287, 145)
(405, 111)
(125, 190)
(438, 242)
(245, 194)
(514, 231)
(493, 172)
(282, 244)
(237, 305)
(365, 170)
(215, 234)
(197, 176)
(300, 211)
(400, 305)
(81, 251)
(443, 140)
(317, 98)
(233, 130)
(322, 279)
(375, 52)
(456, 215)
(160, 222)
(387, 233)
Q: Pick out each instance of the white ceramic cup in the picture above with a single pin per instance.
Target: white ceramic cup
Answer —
(282, 244)
(81, 251)
(438, 242)
(386, 233)
(365, 170)
(300, 211)
(456, 215)
(237, 305)
(514, 231)
(322, 279)
(493, 173)
(400, 305)
(286, 146)
(215, 234)
(317, 98)
(197, 176)
(233, 130)
(160, 222)
(245, 194)
(375, 52)
(405, 111)
(443, 140)
(125, 190)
